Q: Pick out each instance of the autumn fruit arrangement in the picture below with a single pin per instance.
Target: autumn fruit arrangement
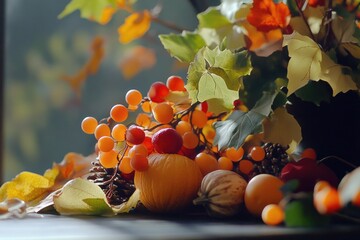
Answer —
(222, 143)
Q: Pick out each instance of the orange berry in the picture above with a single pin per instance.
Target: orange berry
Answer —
(233, 154)
(225, 163)
(106, 144)
(88, 125)
(327, 200)
(272, 214)
(257, 153)
(101, 130)
(246, 166)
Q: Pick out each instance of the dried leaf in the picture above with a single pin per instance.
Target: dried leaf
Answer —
(344, 30)
(81, 197)
(129, 204)
(332, 73)
(106, 15)
(77, 80)
(266, 15)
(137, 59)
(72, 166)
(34, 188)
(26, 186)
(281, 127)
(135, 26)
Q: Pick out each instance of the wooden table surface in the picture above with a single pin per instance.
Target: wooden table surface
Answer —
(53, 227)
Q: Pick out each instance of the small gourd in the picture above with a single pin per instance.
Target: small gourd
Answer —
(169, 184)
(221, 193)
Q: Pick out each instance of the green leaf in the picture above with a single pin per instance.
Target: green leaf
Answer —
(216, 74)
(301, 213)
(183, 46)
(212, 18)
(263, 105)
(88, 9)
(81, 197)
(315, 92)
(233, 131)
(213, 86)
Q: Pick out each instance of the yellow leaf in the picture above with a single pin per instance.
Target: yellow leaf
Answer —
(81, 197)
(332, 73)
(281, 127)
(135, 26)
(136, 60)
(26, 186)
(107, 14)
(129, 204)
(305, 61)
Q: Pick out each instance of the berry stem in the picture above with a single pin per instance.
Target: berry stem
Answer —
(339, 159)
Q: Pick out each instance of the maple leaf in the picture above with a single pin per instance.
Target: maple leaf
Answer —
(77, 80)
(281, 127)
(136, 60)
(32, 188)
(92, 10)
(333, 74)
(266, 15)
(308, 62)
(305, 61)
(135, 26)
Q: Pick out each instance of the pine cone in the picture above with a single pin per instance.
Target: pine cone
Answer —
(275, 159)
(116, 188)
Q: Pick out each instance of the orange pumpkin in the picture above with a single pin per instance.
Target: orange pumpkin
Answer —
(169, 184)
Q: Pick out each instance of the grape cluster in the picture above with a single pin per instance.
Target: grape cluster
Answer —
(165, 121)
(275, 158)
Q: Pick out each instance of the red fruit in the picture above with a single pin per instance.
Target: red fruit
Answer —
(308, 172)
(175, 83)
(190, 153)
(167, 140)
(135, 135)
(158, 92)
(204, 106)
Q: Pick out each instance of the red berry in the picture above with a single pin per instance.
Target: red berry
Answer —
(158, 92)
(167, 140)
(135, 135)
(175, 83)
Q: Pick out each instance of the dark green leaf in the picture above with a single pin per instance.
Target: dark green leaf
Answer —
(301, 213)
(263, 105)
(315, 92)
(233, 131)
(183, 46)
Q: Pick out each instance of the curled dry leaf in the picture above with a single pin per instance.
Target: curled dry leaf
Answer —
(281, 128)
(135, 26)
(77, 80)
(33, 188)
(136, 60)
